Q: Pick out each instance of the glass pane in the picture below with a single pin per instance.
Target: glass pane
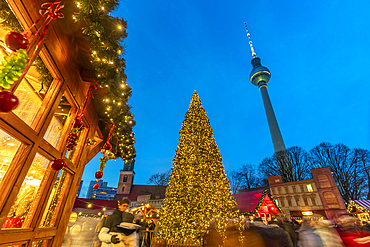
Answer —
(8, 148)
(40, 243)
(20, 214)
(57, 195)
(33, 87)
(55, 128)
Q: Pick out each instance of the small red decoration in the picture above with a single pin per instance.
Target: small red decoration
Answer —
(15, 41)
(58, 164)
(98, 174)
(8, 101)
(96, 186)
(72, 140)
(78, 123)
(107, 146)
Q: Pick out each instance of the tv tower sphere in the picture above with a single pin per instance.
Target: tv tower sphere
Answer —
(259, 73)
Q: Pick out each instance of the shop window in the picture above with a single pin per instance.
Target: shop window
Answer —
(331, 200)
(289, 200)
(323, 181)
(73, 154)
(282, 204)
(8, 148)
(305, 201)
(309, 188)
(313, 200)
(60, 189)
(294, 189)
(25, 205)
(58, 121)
(286, 190)
(297, 200)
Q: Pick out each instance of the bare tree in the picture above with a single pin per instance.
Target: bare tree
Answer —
(234, 181)
(160, 178)
(300, 161)
(363, 159)
(248, 176)
(343, 163)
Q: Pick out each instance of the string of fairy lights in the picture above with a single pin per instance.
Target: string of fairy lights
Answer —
(105, 34)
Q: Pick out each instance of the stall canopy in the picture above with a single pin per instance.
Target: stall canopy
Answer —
(254, 202)
(94, 206)
(358, 206)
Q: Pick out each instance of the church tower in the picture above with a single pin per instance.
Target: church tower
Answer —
(126, 178)
(259, 77)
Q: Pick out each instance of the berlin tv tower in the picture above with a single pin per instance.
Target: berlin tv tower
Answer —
(259, 77)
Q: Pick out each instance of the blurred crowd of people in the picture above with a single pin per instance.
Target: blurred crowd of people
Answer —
(346, 231)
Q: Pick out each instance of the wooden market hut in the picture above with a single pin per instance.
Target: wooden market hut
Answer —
(361, 208)
(258, 204)
(36, 201)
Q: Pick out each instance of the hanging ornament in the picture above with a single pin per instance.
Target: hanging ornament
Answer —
(98, 174)
(8, 101)
(107, 155)
(107, 146)
(77, 123)
(15, 66)
(58, 164)
(12, 67)
(96, 186)
(15, 41)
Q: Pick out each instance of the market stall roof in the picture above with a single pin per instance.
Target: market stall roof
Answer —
(94, 206)
(256, 201)
(363, 203)
(358, 206)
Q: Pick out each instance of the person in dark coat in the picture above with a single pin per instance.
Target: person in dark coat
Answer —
(212, 237)
(272, 234)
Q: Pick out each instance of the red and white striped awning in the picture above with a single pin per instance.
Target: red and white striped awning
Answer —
(363, 203)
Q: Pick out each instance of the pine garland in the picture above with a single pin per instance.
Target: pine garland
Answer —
(105, 34)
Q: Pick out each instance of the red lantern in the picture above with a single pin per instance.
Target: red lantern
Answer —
(98, 174)
(58, 164)
(8, 101)
(107, 146)
(16, 41)
(96, 186)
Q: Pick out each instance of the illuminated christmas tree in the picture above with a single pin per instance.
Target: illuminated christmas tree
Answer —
(198, 190)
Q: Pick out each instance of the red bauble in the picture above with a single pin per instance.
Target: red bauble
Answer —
(15, 41)
(107, 146)
(8, 101)
(58, 164)
(96, 186)
(98, 174)
(78, 123)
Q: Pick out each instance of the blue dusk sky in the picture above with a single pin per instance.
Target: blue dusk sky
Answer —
(317, 52)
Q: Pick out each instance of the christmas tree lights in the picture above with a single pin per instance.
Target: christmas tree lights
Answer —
(198, 190)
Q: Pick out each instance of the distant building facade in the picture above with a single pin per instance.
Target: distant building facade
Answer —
(318, 196)
(103, 193)
(138, 194)
(79, 189)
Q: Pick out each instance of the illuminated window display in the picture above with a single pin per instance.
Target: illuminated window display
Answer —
(55, 128)
(8, 148)
(28, 196)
